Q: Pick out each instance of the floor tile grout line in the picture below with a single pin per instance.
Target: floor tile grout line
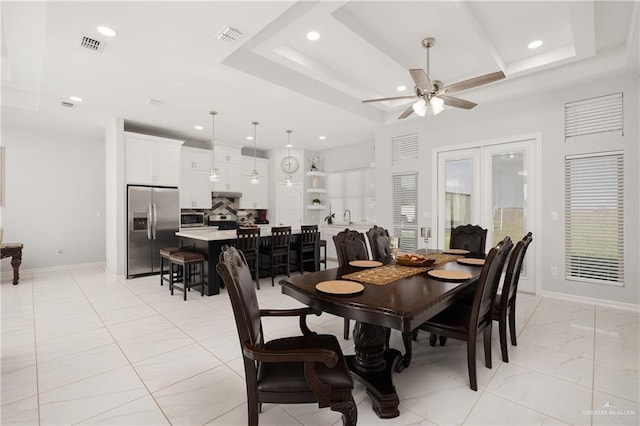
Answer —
(528, 408)
(123, 353)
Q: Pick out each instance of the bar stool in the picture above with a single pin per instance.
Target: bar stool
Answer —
(248, 242)
(323, 245)
(190, 266)
(165, 253)
(306, 244)
(278, 249)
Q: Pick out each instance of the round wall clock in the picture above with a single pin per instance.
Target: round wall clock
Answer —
(289, 164)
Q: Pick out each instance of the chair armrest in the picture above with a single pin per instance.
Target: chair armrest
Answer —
(300, 312)
(327, 357)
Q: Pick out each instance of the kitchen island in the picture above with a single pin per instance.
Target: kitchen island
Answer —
(210, 242)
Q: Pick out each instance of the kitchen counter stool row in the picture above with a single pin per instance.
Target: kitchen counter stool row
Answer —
(185, 270)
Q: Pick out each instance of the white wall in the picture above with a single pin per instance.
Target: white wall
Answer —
(537, 113)
(54, 197)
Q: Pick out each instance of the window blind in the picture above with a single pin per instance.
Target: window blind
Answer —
(594, 225)
(404, 147)
(405, 210)
(595, 115)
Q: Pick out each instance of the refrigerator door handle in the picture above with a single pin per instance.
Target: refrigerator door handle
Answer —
(155, 220)
(149, 221)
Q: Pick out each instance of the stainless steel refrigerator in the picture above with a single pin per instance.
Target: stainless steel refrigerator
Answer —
(153, 219)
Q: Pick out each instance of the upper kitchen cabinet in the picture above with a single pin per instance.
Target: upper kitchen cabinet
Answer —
(152, 160)
(195, 187)
(227, 161)
(196, 158)
(255, 195)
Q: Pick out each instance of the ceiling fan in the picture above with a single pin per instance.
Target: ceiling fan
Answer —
(431, 93)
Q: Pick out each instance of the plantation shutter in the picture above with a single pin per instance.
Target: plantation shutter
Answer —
(594, 240)
(405, 210)
(404, 147)
(595, 115)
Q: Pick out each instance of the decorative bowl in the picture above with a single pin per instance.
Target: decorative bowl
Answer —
(412, 259)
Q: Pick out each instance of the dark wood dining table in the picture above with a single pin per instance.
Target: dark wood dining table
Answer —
(402, 305)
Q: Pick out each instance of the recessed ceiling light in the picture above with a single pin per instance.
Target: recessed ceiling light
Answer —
(401, 88)
(289, 145)
(75, 98)
(199, 127)
(313, 35)
(535, 44)
(322, 137)
(106, 31)
(249, 138)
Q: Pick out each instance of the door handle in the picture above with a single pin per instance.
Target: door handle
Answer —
(155, 220)
(149, 220)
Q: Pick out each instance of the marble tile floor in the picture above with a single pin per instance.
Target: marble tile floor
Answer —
(80, 346)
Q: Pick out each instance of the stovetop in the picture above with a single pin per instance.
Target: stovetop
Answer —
(224, 225)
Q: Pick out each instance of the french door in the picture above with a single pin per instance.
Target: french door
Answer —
(491, 185)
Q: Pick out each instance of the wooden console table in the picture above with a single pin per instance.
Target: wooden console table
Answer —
(13, 250)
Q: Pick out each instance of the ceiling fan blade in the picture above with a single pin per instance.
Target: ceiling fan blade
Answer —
(407, 112)
(389, 99)
(473, 82)
(421, 79)
(457, 102)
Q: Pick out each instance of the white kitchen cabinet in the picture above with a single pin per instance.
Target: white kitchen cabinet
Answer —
(227, 161)
(255, 196)
(196, 158)
(228, 154)
(195, 189)
(152, 160)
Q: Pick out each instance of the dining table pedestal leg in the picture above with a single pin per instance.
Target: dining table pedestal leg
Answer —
(372, 365)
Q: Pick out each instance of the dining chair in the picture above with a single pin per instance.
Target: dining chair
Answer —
(248, 242)
(379, 241)
(278, 250)
(469, 237)
(305, 246)
(505, 304)
(289, 370)
(350, 246)
(463, 322)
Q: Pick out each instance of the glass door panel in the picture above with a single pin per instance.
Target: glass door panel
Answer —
(458, 204)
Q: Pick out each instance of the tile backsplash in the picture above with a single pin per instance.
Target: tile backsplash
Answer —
(229, 207)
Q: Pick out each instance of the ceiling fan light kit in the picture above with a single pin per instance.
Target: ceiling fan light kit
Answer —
(432, 94)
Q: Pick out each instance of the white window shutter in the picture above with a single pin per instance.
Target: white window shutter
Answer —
(404, 147)
(405, 210)
(594, 213)
(595, 115)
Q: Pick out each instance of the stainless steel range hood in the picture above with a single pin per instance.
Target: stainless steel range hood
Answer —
(224, 194)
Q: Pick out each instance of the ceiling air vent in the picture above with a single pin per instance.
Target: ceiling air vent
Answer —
(91, 43)
(229, 34)
(66, 104)
(155, 102)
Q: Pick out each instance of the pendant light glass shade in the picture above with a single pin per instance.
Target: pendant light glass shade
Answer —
(214, 173)
(288, 181)
(255, 176)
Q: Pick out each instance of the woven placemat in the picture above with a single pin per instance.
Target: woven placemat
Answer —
(385, 274)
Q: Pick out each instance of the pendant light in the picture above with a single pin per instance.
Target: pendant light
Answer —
(288, 181)
(214, 174)
(255, 176)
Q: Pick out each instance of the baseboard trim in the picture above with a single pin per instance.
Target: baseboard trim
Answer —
(592, 301)
(62, 267)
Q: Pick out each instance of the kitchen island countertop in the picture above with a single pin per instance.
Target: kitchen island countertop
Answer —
(212, 235)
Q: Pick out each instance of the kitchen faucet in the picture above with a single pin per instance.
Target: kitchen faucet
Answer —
(345, 215)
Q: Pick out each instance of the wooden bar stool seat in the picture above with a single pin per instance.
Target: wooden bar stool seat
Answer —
(164, 254)
(190, 266)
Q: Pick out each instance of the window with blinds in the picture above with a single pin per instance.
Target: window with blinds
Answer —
(595, 115)
(405, 210)
(594, 225)
(404, 147)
